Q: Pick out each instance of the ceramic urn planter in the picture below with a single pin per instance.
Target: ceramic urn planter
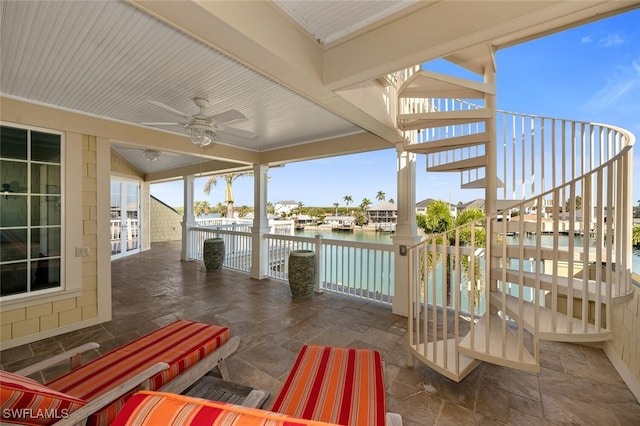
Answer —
(213, 253)
(302, 273)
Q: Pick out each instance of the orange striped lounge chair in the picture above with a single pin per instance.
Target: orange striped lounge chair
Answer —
(169, 359)
(326, 386)
(343, 386)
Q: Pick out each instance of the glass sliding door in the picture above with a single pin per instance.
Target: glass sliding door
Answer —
(125, 214)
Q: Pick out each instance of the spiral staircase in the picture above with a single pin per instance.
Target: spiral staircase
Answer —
(556, 252)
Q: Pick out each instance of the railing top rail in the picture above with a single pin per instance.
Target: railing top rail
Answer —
(334, 242)
(217, 230)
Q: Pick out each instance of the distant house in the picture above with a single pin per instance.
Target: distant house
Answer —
(385, 212)
(302, 220)
(475, 204)
(340, 223)
(285, 207)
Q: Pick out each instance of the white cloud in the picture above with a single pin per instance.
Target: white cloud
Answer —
(611, 40)
(586, 39)
(624, 80)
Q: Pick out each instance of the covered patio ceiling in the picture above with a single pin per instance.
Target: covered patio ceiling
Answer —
(303, 73)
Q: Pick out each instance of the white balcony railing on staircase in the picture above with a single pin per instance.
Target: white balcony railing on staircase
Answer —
(557, 253)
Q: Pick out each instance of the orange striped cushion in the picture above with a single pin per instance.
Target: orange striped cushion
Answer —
(25, 401)
(336, 385)
(180, 345)
(157, 408)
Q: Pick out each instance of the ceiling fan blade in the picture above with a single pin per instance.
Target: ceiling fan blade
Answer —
(171, 110)
(233, 131)
(227, 116)
(163, 124)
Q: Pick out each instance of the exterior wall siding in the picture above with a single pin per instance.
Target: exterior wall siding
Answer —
(626, 340)
(166, 223)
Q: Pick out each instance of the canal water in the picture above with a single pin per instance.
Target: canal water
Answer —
(386, 238)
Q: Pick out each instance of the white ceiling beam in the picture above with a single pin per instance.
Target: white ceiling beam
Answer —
(261, 36)
(441, 29)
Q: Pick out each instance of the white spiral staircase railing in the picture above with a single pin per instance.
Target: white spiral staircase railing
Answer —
(557, 253)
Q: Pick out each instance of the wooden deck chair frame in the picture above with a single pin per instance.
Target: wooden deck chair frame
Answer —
(177, 385)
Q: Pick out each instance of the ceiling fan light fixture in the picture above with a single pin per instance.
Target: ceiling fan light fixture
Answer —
(151, 154)
(201, 134)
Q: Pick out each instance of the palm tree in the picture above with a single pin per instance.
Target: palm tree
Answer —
(336, 206)
(229, 178)
(347, 200)
(201, 207)
(380, 196)
(636, 235)
(439, 220)
(365, 204)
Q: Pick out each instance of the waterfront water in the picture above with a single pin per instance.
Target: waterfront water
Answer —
(386, 238)
(364, 236)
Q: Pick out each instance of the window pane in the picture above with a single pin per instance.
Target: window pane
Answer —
(45, 210)
(45, 242)
(47, 274)
(14, 244)
(13, 211)
(13, 143)
(45, 147)
(45, 179)
(13, 176)
(13, 278)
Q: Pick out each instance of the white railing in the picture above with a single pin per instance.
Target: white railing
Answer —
(348, 267)
(549, 263)
(280, 227)
(535, 153)
(237, 246)
(352, 268)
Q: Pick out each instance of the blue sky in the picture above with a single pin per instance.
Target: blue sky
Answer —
(590, 73)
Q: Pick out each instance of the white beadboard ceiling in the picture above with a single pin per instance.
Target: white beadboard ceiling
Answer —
(328, 24)
(109, 59)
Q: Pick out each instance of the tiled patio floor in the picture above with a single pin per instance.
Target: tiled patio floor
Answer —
(576, 385)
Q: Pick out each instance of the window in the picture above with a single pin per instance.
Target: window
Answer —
(30, 210)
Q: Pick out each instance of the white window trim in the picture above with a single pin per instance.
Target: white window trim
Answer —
(71, 173)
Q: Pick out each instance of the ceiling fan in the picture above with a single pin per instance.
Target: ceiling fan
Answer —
(203, 128)
(151, 155)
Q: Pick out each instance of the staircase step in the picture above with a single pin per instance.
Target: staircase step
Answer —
(430, 120)
(565, 330)
(481, 184)
(448, 366)
(546, 283)
(428, 84)
(460, 165)
(477, 346)
(507, 204)
(547, 253)
(443, 145)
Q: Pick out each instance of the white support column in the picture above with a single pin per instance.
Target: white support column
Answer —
(406, 228)
(188, 218)
(491, 177)
(259, 247)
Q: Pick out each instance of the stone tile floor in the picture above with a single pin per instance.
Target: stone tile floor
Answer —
(577, 385)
